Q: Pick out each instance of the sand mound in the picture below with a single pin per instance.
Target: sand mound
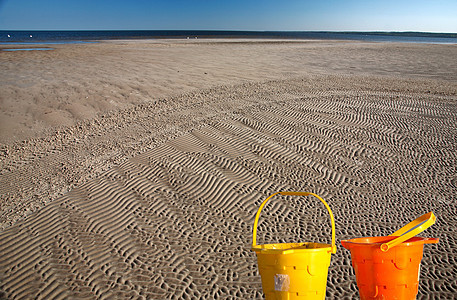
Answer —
(175, 220)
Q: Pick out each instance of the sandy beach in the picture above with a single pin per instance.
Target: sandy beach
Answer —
(134, 169)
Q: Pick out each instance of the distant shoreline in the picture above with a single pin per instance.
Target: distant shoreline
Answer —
(67, 36)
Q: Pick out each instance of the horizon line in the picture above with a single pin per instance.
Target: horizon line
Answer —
(243, 30)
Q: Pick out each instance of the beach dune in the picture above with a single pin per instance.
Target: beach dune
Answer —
(133, 169)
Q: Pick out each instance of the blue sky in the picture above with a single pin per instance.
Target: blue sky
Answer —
(297, 15)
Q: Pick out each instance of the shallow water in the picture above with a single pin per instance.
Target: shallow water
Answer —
(97, 35)
(28, 49)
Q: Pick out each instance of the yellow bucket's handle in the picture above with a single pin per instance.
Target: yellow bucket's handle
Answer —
(411, 229)
(254, 233)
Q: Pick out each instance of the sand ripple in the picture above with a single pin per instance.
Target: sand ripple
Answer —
(174, 221)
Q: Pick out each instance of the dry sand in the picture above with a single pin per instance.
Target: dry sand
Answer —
(133, 169)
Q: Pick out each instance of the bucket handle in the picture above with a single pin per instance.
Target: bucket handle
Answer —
(254, 233)
(409, 230)
(431, 240)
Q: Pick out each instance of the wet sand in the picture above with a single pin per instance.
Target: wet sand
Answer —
(135, 168)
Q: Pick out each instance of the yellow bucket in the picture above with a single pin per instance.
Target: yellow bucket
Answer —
(294, 270)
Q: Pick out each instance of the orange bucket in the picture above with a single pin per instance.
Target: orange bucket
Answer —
(388, 267)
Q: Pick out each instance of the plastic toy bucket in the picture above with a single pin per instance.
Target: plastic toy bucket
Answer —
(388, 267)
(294, 270)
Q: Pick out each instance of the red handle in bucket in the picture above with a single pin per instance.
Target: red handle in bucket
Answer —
(431, 240)
(254, 233)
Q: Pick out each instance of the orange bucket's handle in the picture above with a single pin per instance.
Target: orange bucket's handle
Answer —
(431, 240)
(254, 233)
(411, 229)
